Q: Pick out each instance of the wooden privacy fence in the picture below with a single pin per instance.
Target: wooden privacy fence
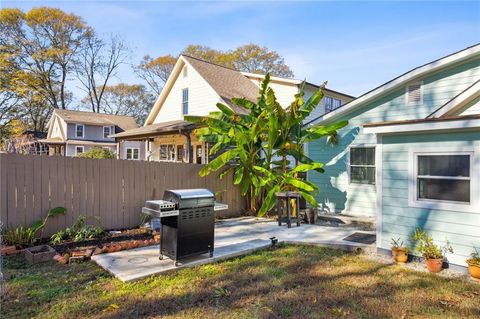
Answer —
(110, 191)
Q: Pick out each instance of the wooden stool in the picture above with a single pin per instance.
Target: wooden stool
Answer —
(288, 197)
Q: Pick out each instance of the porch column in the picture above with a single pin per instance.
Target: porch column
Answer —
(119, 149)
(188, 154)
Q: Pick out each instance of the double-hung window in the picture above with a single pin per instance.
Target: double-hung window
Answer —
(362, 165)
(106, 131)
(79, 130)
(79, 150)
(185, 101)
(331, 103)
(133, 153)
(443, 177)
(443, 180)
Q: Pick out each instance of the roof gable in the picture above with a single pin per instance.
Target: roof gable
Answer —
(401, 81)
(90, 118)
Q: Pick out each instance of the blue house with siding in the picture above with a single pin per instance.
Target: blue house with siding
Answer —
(410, 155)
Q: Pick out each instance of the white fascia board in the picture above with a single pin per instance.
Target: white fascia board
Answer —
(458, 102)
(401, 80)
(272, 78)
(165, 91)
(423, 126)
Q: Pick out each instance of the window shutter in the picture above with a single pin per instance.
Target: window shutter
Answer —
(414, 93)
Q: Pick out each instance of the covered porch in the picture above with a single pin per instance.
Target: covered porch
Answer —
(172, 141)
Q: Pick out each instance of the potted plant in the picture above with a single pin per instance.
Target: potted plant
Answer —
(399, 251)
(434, 255)
(474, 264)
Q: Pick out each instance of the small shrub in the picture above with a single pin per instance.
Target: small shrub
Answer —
(427, 248)
(80, 231)
(397, 244)
(474, 258)
(97, 153)
(19, 236)
(25, 236)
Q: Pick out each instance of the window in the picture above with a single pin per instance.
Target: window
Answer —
(198, 154)
(167, 152)
(415, 93)
(133, 153)
(180, 153)
(106, 131)
(443, 177)
(362, 165)
(79, 130)
(331, 103)
(185, 71)
(185, 101)
(79, 150)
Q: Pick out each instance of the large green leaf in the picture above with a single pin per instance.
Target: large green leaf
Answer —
(222, 160)
(238, 176)
(309, 198)
(225, 109)
(57, 211)
(302, 185)
(307, 167)
(37, 225)
(269, 201)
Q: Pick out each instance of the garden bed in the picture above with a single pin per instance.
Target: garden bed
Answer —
(98, 242)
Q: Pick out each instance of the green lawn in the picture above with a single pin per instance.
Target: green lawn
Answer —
(290, 281)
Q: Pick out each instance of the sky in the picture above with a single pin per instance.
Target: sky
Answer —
(355, 46)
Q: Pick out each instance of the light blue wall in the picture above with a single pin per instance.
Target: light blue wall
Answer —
(461, 229)
(337, 194)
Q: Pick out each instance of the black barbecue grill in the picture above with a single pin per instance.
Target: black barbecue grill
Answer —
(187, 222)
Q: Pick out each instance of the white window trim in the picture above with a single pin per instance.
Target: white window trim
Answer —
(413, 200)
(350, 183)
(421, 93)
(83, 130)
(109, 132)
(167, 145)
(132, 150)
(79, 146)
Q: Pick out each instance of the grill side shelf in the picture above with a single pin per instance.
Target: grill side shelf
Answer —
(159, 214)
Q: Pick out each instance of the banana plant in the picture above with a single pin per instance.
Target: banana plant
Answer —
(257, 145)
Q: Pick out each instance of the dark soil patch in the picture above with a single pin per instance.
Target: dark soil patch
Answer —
(99, 242)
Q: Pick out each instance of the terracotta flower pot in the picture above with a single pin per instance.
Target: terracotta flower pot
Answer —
(473, 269)
(400, 255)
(434, 265)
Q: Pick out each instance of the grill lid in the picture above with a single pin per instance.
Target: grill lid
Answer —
(191, 193)
(190, 198)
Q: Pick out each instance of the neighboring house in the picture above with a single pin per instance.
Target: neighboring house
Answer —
(28, 143)
(73, 132)
(194, 88)
(418, 163)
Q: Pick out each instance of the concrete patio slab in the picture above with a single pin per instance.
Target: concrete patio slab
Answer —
(233, 238)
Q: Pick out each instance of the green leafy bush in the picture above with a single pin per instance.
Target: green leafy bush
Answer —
(26, 236)
(78, 232)
(398, 244)
(97, 153)
(474, 258)
(20, 236)
(427, 248)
